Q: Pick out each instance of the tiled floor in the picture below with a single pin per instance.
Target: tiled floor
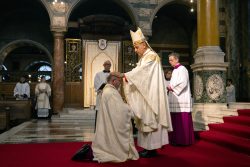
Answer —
(70, 125)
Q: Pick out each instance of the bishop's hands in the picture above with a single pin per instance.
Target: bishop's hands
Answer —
(117, 74)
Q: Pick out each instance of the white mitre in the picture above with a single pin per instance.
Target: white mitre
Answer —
(137, 37)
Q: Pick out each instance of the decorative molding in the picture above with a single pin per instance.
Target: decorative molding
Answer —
(209, 87)
(215, 87)
(198, 87)
(58, 21)
(102, 44)
(209, 54)
(209, 66)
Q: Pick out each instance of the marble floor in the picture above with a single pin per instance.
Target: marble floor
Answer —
(70, 125)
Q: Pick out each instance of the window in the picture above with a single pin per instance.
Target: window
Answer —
(45, 68)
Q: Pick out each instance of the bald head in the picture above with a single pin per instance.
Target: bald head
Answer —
(114, 79)
(107, 65)
(107, 62)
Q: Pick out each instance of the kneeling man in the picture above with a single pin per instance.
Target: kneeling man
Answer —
(113, 140)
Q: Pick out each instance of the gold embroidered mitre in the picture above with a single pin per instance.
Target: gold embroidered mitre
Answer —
(137, 36)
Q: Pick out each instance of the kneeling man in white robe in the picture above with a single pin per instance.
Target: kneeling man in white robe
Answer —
(113, 140)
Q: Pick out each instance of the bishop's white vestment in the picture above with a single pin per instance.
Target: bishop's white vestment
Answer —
(145, 92)
(113, 140)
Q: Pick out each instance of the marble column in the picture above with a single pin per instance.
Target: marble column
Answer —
(58, 72)
(232, 38)
(209, 67)
(237, 46)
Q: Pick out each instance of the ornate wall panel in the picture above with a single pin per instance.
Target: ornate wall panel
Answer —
(129, 58)
(73, 60)
(94, 57)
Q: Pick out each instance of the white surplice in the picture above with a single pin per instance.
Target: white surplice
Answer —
(113, 140)
(230, 94)
(180, 98)
(21, 89)
(100, 78)
(146, 93)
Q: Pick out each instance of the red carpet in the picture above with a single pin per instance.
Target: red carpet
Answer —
(224, 145)
(59, 155)
(234, 133)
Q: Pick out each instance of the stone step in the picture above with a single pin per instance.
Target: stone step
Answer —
(215, 118)
(78, 111)
(67, 116)
(78, 114)
(229, 112)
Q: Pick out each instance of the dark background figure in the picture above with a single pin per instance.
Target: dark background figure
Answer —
(230, 92)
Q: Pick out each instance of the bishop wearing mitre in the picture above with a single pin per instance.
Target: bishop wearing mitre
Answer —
(146, 93)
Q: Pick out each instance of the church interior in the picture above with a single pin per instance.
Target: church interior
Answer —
(67, 41)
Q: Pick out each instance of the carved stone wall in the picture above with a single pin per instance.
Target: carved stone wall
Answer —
(209, 87)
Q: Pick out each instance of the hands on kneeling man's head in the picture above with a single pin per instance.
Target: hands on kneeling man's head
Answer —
(115, 79)
(117, 74)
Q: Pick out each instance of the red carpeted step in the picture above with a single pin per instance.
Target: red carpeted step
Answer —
(233, 129)
(245, 112)
(242, 120)
(235, 143)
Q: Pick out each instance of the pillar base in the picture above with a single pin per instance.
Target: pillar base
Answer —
(209, 87)
(239, 105)
(206, 113)
(209, 75)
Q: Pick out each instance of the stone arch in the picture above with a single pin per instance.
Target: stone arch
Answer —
(46, 5)
(37, 62)
(19, 43)
(159, 6)
(123, 3)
